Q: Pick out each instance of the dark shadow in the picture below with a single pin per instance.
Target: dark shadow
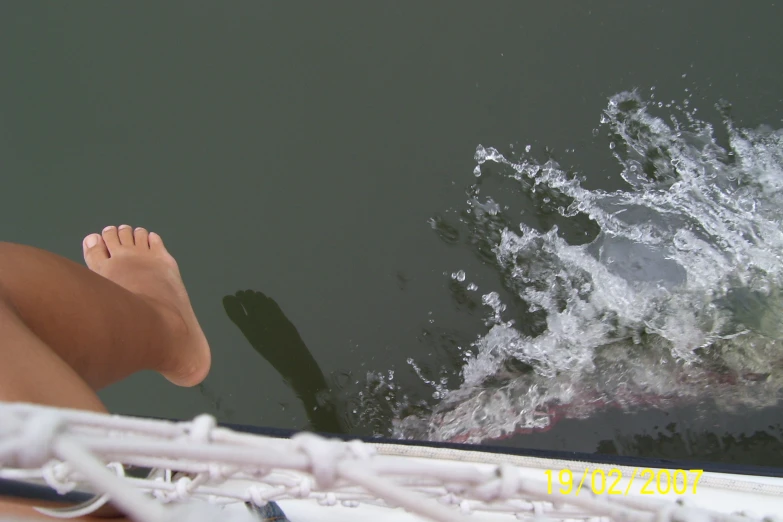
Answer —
(760, 448)
(275, 338)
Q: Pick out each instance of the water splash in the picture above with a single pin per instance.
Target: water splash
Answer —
(678, 296)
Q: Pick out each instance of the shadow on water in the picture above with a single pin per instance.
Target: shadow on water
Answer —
(759, 448)
(276, 339)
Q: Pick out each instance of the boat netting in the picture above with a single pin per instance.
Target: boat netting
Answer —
(199, 470)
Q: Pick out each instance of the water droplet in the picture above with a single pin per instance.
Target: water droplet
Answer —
(527, 148)
(611, 146)
(458, 276)
(595, 132)
(473, 287)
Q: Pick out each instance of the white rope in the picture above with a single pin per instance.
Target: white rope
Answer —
(202, 463)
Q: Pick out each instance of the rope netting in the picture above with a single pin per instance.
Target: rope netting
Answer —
(197, 468)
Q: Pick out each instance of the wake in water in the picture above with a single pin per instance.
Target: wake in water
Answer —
(677, 298)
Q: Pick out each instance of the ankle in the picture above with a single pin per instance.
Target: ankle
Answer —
(181, 366)
(174, 332)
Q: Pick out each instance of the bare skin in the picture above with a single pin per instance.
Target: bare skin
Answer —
(129, 312)
(139, 262)
(67, 331)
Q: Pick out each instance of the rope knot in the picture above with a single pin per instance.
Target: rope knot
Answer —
(159, 493)
(360, 450)
(56, 475)
(218, 473)
(182, 488)
(38, 435)
(257, 496)
(303, 487)
(330, 499)
(324, 456)
(201, 429)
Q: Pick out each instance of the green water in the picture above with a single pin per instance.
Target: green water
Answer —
(299, 149)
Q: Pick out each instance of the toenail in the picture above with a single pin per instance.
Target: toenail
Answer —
(108, 228)
(90, 241)
(123, 227)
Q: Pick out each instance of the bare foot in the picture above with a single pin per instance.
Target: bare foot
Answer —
(138, 261)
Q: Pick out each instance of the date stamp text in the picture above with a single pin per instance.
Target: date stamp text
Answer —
(614, 482)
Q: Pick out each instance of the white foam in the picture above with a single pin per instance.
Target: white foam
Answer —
(677, 297)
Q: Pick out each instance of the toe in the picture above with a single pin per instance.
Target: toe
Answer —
(234, 310)
(111, 238)
(141, 237)
(95, 250)
(159, 250)
(126, 235)
(156, 242)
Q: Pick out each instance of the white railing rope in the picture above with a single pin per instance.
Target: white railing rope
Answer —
(198, 460)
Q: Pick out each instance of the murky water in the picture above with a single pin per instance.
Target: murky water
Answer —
(610, 281)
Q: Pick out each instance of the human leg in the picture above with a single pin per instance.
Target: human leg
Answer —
(128, 312)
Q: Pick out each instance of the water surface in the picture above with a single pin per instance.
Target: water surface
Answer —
(305, 150)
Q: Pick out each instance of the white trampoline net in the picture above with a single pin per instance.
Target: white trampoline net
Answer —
(199, 470)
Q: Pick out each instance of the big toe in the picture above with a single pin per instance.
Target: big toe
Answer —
(95, 250)
(156, 243)
(234, 310)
